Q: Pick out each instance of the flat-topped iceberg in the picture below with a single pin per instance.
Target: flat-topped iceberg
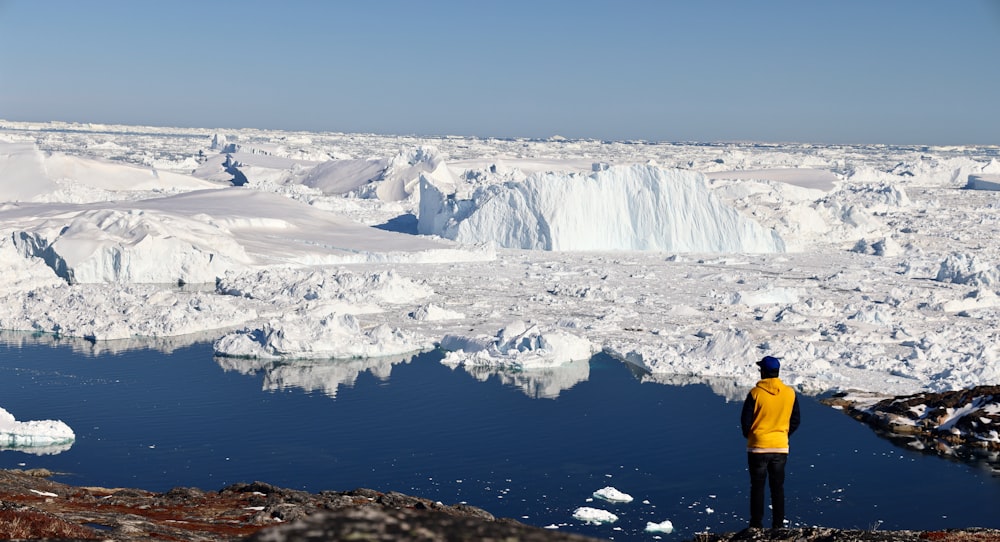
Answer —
(637, 207)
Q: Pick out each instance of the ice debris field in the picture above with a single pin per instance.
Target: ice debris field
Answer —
(868, 267)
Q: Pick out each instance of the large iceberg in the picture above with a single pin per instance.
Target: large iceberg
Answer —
(639, 207)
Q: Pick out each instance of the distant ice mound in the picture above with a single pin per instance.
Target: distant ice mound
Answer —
(926, 170)
(392, 179)
(28, 174)
(637, 207)
(966, 269)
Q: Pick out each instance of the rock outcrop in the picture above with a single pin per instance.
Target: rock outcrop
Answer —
(33, 507)
(961, 424)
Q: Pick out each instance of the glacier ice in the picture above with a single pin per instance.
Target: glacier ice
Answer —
(636, 207)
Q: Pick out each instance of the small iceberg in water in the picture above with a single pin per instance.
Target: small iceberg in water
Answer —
(40, 437)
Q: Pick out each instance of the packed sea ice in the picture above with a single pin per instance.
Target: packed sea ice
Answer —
(866, 267)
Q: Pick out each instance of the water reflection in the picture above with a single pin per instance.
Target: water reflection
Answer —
(325, 376)
(729, 388)
(50, 449)
(541, 383)
(328, 376)
(87, 347)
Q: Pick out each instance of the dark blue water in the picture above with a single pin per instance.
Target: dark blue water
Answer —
(155, 421)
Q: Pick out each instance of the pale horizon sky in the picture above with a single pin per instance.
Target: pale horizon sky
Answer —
(847, 71)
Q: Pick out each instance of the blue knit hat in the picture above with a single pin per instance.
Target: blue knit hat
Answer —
(769, 363)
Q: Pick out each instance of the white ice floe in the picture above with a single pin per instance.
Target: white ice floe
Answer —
(612, 494)
(665, 527)
(594, 515)
(308, 335)
(519, 345)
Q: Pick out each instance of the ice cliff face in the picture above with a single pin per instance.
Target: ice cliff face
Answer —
(622, 208)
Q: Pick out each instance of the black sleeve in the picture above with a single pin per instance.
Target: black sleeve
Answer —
(793, 422)
(746, 417)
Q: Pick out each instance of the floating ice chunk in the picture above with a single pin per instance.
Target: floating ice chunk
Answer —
(518, 346)
(594, 515)
(305, 336)
(663, 527)
(611, 494)
(51, 435)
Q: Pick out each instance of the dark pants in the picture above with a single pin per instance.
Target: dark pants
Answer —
(769, 468)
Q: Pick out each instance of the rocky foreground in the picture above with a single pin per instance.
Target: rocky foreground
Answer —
(962, 424)
(34, 507)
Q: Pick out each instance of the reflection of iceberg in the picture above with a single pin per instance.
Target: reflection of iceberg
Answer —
(729, 388)
(312, 375)
(35, 449)
(537, 383)
(87, 347)
(40, 437)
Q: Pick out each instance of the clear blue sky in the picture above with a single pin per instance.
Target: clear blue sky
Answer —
(837, 71)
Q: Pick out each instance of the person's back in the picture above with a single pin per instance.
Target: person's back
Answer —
(770, 414)
(770, 426)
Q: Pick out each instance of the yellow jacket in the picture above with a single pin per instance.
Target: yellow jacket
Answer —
(770, 414)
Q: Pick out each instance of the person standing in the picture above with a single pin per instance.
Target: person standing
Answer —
(770, 414)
